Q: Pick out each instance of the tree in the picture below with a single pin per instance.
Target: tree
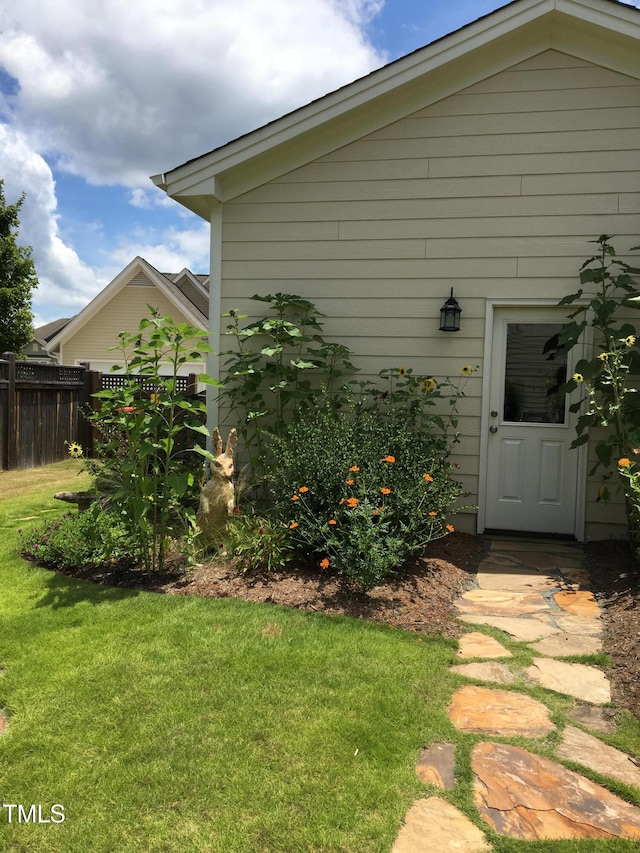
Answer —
(17, 280)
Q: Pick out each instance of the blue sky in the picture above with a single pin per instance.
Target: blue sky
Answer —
(97, 95)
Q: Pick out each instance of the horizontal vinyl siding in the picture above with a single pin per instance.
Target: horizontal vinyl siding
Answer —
(122, 313)
(495, 191)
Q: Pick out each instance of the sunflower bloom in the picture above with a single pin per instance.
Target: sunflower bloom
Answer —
(467, 370)
(389, 459)
(578, 377)
(324, 564)
(293, 525)
(402, 371)
(603, 356)
(75, 449)
(428, 384)
(352, 502)
(449, 527)
(624, 462)
(428, 478)
(630, 340)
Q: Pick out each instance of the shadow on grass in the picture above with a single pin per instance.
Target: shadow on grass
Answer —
(66, 591)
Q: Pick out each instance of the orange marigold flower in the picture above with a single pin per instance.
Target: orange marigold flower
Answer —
(428, 478)
(332, 521)
(450, 528)
(324, 564)
(389, 459)
(293, 525)
(349, 482)
(352, 502)
(295, 497)
(341, 501)
(624, 462)
(385, 491)
(354, 468)
(303, 489)
(433, 512)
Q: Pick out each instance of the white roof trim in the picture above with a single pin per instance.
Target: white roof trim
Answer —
(136, 266)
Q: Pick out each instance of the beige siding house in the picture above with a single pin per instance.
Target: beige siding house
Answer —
(89, 336)
(484, 162)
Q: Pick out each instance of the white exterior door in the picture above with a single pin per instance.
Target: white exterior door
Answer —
(532, 474)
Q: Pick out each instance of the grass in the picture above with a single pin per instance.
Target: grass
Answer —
(168, 723)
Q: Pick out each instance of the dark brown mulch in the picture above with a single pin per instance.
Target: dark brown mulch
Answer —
(615, 580)
(419, 599)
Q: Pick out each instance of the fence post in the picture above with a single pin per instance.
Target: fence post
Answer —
(192, 385)
(9, 444)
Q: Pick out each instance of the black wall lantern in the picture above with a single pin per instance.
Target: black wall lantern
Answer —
(450, 315)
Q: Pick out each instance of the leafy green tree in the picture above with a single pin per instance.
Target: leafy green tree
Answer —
(17, 280)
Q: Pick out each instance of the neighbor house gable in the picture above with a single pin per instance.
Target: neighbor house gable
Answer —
(138, 274)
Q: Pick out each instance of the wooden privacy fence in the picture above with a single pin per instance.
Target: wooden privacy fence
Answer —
(41, 408)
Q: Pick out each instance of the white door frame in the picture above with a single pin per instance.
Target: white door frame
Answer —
(581, 486)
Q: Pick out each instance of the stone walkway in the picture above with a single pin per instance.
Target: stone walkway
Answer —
(535, 592)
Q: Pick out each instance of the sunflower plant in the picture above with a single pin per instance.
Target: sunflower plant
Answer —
(608, 380)
(151, 444)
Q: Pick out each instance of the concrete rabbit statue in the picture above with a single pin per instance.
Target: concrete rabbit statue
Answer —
(217, 497)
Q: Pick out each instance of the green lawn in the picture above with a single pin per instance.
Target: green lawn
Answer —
(167, 724)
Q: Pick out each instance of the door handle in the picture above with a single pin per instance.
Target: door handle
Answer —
(493, 429)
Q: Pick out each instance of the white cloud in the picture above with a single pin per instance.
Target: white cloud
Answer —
(65, 282)
(134, 89)
(170, 251)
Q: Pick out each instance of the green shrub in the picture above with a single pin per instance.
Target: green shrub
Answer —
(93, 539)
(259, 543)
(363, 490)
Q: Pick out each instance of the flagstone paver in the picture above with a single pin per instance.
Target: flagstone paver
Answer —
(543, 560)
(597, 718)
(520, 794)
(522, 629)
(566, 645)
(478, 645)
(578, 602)
(436, 765)
(494, 602)
(433, 825)
(586, 749)
(499, 712)
(526, 796)
(571, 624)
(522, 580)
(485, 671)
(572, 679)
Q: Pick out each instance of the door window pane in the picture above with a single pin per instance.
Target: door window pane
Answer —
(531, 379)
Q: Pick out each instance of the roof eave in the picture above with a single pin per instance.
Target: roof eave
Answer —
(509, 34)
